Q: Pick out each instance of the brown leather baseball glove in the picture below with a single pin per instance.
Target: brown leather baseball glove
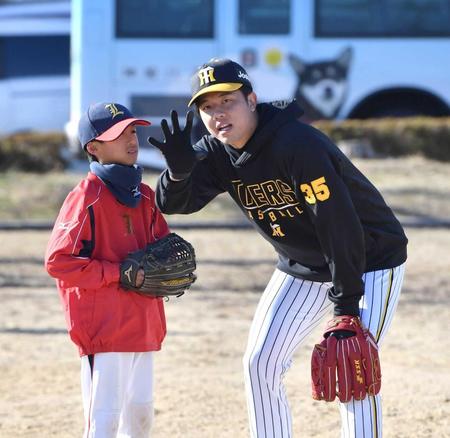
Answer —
(346, 362)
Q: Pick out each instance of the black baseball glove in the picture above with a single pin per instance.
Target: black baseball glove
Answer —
(168, 265)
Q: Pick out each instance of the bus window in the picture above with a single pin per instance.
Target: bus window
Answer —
(382, 18)
(264, 17)
(25, 56)
(164, 18)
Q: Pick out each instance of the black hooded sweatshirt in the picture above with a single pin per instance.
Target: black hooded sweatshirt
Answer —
(324, 218)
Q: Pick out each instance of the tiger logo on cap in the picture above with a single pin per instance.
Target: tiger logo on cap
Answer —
(206, 75)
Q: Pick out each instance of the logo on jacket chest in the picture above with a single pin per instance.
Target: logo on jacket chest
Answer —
(268, 201)
(128, 221)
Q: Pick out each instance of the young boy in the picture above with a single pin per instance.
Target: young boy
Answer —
(339, 244)
(107, 215)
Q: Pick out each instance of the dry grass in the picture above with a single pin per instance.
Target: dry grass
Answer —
(413, 186)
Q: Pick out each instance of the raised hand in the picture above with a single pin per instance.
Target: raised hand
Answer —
(176, 147)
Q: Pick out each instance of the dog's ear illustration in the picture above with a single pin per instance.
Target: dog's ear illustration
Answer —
(297, 64)
(345, 58)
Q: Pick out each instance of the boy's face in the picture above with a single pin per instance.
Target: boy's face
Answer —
(229, 116)
(123, 150)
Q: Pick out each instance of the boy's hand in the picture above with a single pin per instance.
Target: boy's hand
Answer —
(140, 277)
(176, 147)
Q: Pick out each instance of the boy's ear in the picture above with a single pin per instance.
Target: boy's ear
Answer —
(91, 147)
(91, 150)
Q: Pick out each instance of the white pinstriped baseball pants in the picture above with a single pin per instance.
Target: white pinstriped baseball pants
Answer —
(289, 309)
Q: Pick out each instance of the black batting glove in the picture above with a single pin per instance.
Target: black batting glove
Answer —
(176, 147)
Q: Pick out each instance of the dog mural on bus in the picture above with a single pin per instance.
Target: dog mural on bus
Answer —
(322, 85)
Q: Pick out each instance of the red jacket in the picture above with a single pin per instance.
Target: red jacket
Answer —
(92, 235)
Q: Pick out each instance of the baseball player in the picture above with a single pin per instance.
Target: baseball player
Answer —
(107, 215)
(339, 245)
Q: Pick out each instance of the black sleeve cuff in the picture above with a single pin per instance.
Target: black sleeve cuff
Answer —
(175, 185)
(177, 177)
(348, 308)
(176, 189)
(344, 304)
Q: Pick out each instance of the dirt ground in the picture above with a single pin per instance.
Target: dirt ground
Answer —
(198, 380)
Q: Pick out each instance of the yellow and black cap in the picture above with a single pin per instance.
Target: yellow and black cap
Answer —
(218, 74)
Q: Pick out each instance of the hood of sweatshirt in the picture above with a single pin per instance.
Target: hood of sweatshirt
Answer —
(270, 118)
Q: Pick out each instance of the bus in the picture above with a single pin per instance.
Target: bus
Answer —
(339, 58)
(34, 65)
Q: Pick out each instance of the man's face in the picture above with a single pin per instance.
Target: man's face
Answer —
(123, 150)
(230, 117)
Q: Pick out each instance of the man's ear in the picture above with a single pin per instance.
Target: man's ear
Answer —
(252, 100)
